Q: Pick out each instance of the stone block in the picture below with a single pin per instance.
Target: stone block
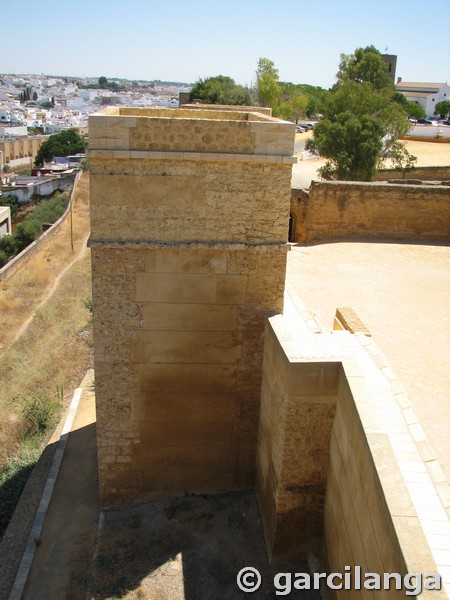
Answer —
(185, 407)
(314, 378)
(192, 433)
(210, 378)
(190, 288)
(175, 288)
(181, 347)
(189, 317)
(182, 260)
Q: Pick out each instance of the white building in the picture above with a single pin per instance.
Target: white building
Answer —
(425, 94)
(5, 114)
(5, 221)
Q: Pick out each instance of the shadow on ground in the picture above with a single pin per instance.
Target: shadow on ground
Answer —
(188, 548)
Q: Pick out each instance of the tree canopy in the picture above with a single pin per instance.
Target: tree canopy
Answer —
(220, 90)
(442, 108)
(361, 123)
(288, 100)
(61, 144)
(365, 65)
(267, 87)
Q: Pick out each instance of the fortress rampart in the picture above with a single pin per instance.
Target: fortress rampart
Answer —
(345, 210)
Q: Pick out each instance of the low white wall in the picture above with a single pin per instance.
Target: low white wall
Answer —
(430, 131)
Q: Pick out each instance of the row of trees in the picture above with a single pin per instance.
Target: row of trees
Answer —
(362, 116)
(288, 101)
(27, 96)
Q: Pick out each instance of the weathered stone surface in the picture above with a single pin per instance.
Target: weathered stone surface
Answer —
(189, 223)
(342, 210)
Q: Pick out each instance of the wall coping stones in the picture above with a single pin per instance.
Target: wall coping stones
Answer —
(193, 156)
(224, 245)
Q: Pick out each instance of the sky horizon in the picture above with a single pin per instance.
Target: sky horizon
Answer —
(183, 42)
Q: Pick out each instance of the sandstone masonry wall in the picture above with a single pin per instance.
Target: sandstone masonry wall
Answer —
(342, 460)
(424, 173)
(334, 210)
(189, 222)
(298, 403)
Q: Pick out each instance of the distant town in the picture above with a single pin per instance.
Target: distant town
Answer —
(47, 105)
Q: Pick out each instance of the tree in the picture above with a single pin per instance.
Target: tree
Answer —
(352, 143)
(220, 90)
(403, 160)
(102, 82)
(414, 110)
(299, 104)
(365, 65)
(362, 124)
(442, 108)
(267, 86)
(12, 202)
(62, 144)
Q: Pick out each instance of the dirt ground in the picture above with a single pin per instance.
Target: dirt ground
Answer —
(189, 548)
(429, 154)
(23, 293)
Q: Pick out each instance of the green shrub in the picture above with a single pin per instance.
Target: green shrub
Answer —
(39, 413)
(3, 258)
(87, 303)
(47, 211)
(13, 204)
(8, 245)
(26, 233)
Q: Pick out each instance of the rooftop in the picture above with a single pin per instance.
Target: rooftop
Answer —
(413, 85)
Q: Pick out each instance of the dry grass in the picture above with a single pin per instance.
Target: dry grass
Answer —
(28, 288)
(55, 348)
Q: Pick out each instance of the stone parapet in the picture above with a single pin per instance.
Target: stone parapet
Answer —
(190, 131)
(343, 210)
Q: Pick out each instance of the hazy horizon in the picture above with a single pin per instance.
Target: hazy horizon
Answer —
(179, 42)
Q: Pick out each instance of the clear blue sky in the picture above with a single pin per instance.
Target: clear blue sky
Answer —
(184, 40)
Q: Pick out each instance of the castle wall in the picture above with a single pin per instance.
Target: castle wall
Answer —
(189, 223)
(342, 210)
(340, 454)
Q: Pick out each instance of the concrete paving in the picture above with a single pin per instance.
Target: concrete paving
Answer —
(402, 294)
(65, 548)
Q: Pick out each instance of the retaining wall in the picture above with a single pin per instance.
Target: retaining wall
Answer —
(341, 210)
(423, 173)
(23, 257)
(41, 186)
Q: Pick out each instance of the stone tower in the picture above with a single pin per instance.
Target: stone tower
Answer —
(189, 224)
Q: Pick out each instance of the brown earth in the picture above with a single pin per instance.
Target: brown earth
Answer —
(45, 338)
